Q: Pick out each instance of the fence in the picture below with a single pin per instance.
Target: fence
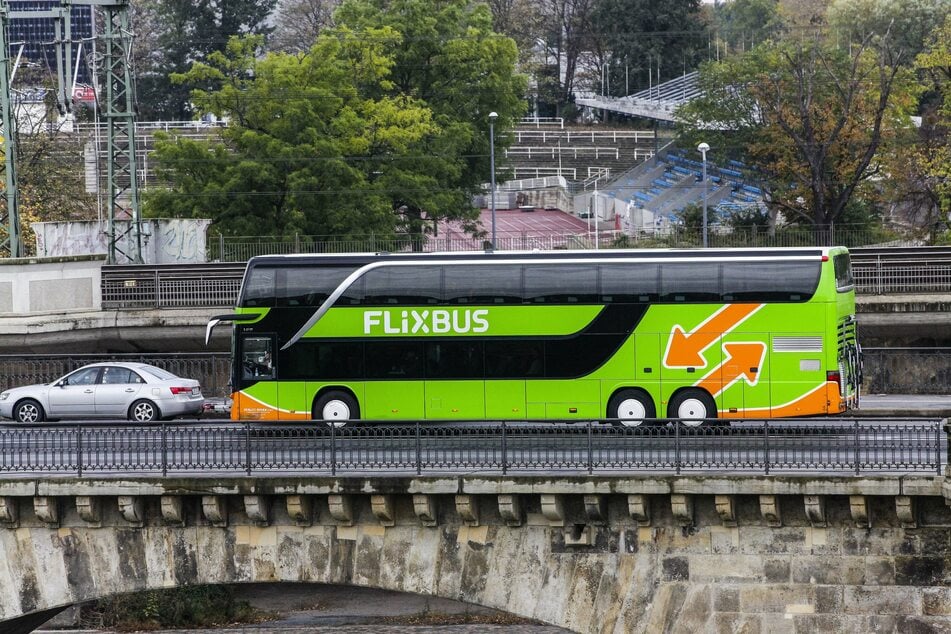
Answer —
(847, 447)
(240, 248)
(887, 370)
(207, 285)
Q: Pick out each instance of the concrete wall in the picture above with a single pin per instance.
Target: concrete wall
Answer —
(578, 553)
(62, 285)
(164, 241)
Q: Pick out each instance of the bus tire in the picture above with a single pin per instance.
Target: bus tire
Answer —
(692, 406)
(336, 407)
(632, 407)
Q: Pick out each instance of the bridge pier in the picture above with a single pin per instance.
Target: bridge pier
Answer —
(602, 554)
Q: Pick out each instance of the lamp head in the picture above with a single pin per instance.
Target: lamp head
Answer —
(703, 148)
(493, 116)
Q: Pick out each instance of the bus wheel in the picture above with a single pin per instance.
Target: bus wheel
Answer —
(631, 407)
(336, 407)
(692, 406)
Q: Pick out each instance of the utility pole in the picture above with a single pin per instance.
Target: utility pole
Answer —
(118, 109)
(10, 244)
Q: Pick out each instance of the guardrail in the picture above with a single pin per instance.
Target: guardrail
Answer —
(887, 370)
(848, 447)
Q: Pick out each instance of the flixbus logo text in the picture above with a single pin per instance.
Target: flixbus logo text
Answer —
(424, 322)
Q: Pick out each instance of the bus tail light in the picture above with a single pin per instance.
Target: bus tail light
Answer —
(835, 376)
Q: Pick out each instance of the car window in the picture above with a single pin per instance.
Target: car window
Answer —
(115, 375)
(158, 373)
(86, 376)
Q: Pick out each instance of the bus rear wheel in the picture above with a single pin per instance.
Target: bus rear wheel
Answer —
(692, 407)
(631, 407)
(336, 408)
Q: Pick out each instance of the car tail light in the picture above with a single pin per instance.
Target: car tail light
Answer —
(181, 390)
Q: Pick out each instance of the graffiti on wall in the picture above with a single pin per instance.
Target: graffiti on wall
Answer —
(164, 241)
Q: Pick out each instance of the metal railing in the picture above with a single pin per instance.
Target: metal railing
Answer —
(239, 248)
(847, 447)
(217, 284)
(886, 370)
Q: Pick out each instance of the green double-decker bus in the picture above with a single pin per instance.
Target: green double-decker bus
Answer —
(631, 335)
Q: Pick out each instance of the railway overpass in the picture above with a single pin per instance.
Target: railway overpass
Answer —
(588, 527)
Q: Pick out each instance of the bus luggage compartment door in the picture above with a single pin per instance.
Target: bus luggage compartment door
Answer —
(455, 399)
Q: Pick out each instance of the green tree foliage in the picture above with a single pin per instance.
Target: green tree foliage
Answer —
(741, 24)
(810, 115)
(183, 32)
(636, 35)
(909, 23)
(382, 127)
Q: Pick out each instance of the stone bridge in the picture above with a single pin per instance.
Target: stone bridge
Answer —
(590, 554)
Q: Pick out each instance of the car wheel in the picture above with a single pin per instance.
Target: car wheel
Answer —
(336, 408)
(29, 411)
(631, 407)
(143, 411)
(692, 406)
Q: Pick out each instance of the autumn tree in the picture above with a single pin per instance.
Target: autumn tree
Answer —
(929, 161)
(811, 116)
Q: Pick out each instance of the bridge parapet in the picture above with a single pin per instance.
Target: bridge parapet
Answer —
(631, 554)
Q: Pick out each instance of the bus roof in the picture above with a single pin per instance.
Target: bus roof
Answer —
(330, 259)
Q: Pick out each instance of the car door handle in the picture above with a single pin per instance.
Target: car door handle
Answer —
(129, 390)
(87, 391)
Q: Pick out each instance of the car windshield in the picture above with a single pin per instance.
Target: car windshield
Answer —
(158, 373)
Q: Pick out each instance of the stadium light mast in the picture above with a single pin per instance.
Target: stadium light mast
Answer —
(703, 148)
(492, 117)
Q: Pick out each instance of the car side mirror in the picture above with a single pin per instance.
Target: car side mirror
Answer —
(62, 383)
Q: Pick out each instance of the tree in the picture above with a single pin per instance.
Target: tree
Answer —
(381, 127)
(742, 24)
(636, 36)
(297, 23)
(929, 162)
(183, 32)
(450, 59)
(293, 158)
(908, 22)
(812, 117)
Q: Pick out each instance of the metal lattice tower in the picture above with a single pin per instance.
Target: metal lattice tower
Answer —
(118, 110)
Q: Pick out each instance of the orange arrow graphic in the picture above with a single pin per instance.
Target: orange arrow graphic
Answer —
(743, 360)
(683, 350)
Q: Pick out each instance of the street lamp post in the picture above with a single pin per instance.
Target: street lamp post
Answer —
(492, 117)
(704, 148)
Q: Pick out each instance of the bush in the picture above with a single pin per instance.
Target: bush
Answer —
(188, 606)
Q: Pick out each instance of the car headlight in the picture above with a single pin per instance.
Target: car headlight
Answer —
(4, 396)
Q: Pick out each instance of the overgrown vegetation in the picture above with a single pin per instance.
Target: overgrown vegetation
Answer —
(185, 607)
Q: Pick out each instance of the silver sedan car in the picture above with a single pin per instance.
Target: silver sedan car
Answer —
(135, 391)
